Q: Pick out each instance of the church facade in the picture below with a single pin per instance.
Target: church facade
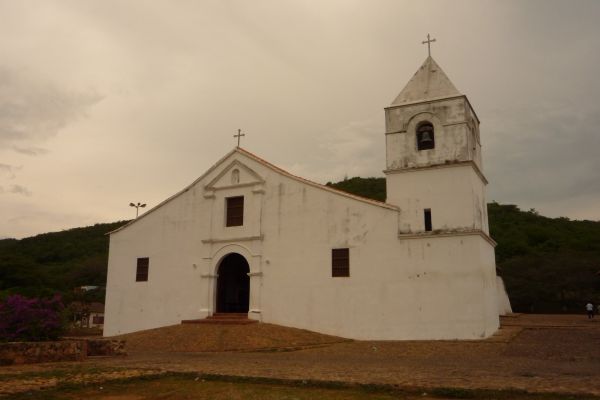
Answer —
(249, 237)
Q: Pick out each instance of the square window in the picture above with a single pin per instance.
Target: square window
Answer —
(340, 262)
(141, 274)
(235, 211)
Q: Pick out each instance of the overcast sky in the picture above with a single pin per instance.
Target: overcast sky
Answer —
(103, 103)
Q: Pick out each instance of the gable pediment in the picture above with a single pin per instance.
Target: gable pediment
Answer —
(235, 174)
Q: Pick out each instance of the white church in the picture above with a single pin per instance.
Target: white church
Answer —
(251, 239)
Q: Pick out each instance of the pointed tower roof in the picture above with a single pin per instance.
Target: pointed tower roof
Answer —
(429, 82)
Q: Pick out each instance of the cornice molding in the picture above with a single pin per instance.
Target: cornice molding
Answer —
(448, 233)
(233, 240)
(439, 166)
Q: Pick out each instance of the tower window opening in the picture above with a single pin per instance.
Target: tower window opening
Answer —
(427, 215)
(425, 136)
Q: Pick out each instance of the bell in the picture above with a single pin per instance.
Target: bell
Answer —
(426, 137)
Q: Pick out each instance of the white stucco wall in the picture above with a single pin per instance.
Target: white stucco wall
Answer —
(399, 288)
(455, 194)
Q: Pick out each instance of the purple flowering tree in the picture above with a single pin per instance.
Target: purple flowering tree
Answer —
(24, 319)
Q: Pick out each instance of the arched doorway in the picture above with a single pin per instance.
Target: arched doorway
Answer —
(233, 285)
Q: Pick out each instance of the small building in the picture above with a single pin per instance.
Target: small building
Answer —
(249, 237)
(87, 315)
(87, 288)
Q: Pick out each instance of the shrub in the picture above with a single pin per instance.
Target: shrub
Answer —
(31, 319)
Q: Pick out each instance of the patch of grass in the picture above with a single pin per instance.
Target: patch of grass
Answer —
(454, 393)
(58, 372)
(183, 386)
(527, 374)
(508, 394)
(193, 387)
(54, 373)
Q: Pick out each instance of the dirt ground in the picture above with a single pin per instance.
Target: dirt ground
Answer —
(535, 353)
(211, 338)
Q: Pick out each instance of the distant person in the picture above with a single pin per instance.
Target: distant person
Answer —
(589, 307)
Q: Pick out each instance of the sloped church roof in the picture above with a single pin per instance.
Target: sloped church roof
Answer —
(267, 164)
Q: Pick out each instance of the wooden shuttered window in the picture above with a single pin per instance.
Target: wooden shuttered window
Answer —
(141, 273)
(235, 211)
(340, 262)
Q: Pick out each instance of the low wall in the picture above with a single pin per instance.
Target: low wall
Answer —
(105, 347)
(63, 350)
(38, 352)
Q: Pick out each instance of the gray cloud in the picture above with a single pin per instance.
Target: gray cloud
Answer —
(25, 215)
(16, 189)
(33, 110)
(545, 153)
(8, 171)
(353, 149)
(30, 150)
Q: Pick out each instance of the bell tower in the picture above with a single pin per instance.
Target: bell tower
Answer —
(433, 156)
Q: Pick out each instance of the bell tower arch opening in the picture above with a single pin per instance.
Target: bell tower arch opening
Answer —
(425, 136)
(233, 285)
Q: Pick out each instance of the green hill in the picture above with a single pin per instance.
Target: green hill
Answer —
(55, 262)
(548, 264)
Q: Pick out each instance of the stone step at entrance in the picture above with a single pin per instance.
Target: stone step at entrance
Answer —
(223, 319)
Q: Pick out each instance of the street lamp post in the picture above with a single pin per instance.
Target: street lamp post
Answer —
(137, 207)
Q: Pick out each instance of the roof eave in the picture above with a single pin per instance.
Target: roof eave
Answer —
(434, 100)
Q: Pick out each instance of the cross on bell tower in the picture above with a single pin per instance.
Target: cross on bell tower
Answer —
(428, 41)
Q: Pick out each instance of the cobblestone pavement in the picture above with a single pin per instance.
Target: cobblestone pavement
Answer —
(533, 353)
